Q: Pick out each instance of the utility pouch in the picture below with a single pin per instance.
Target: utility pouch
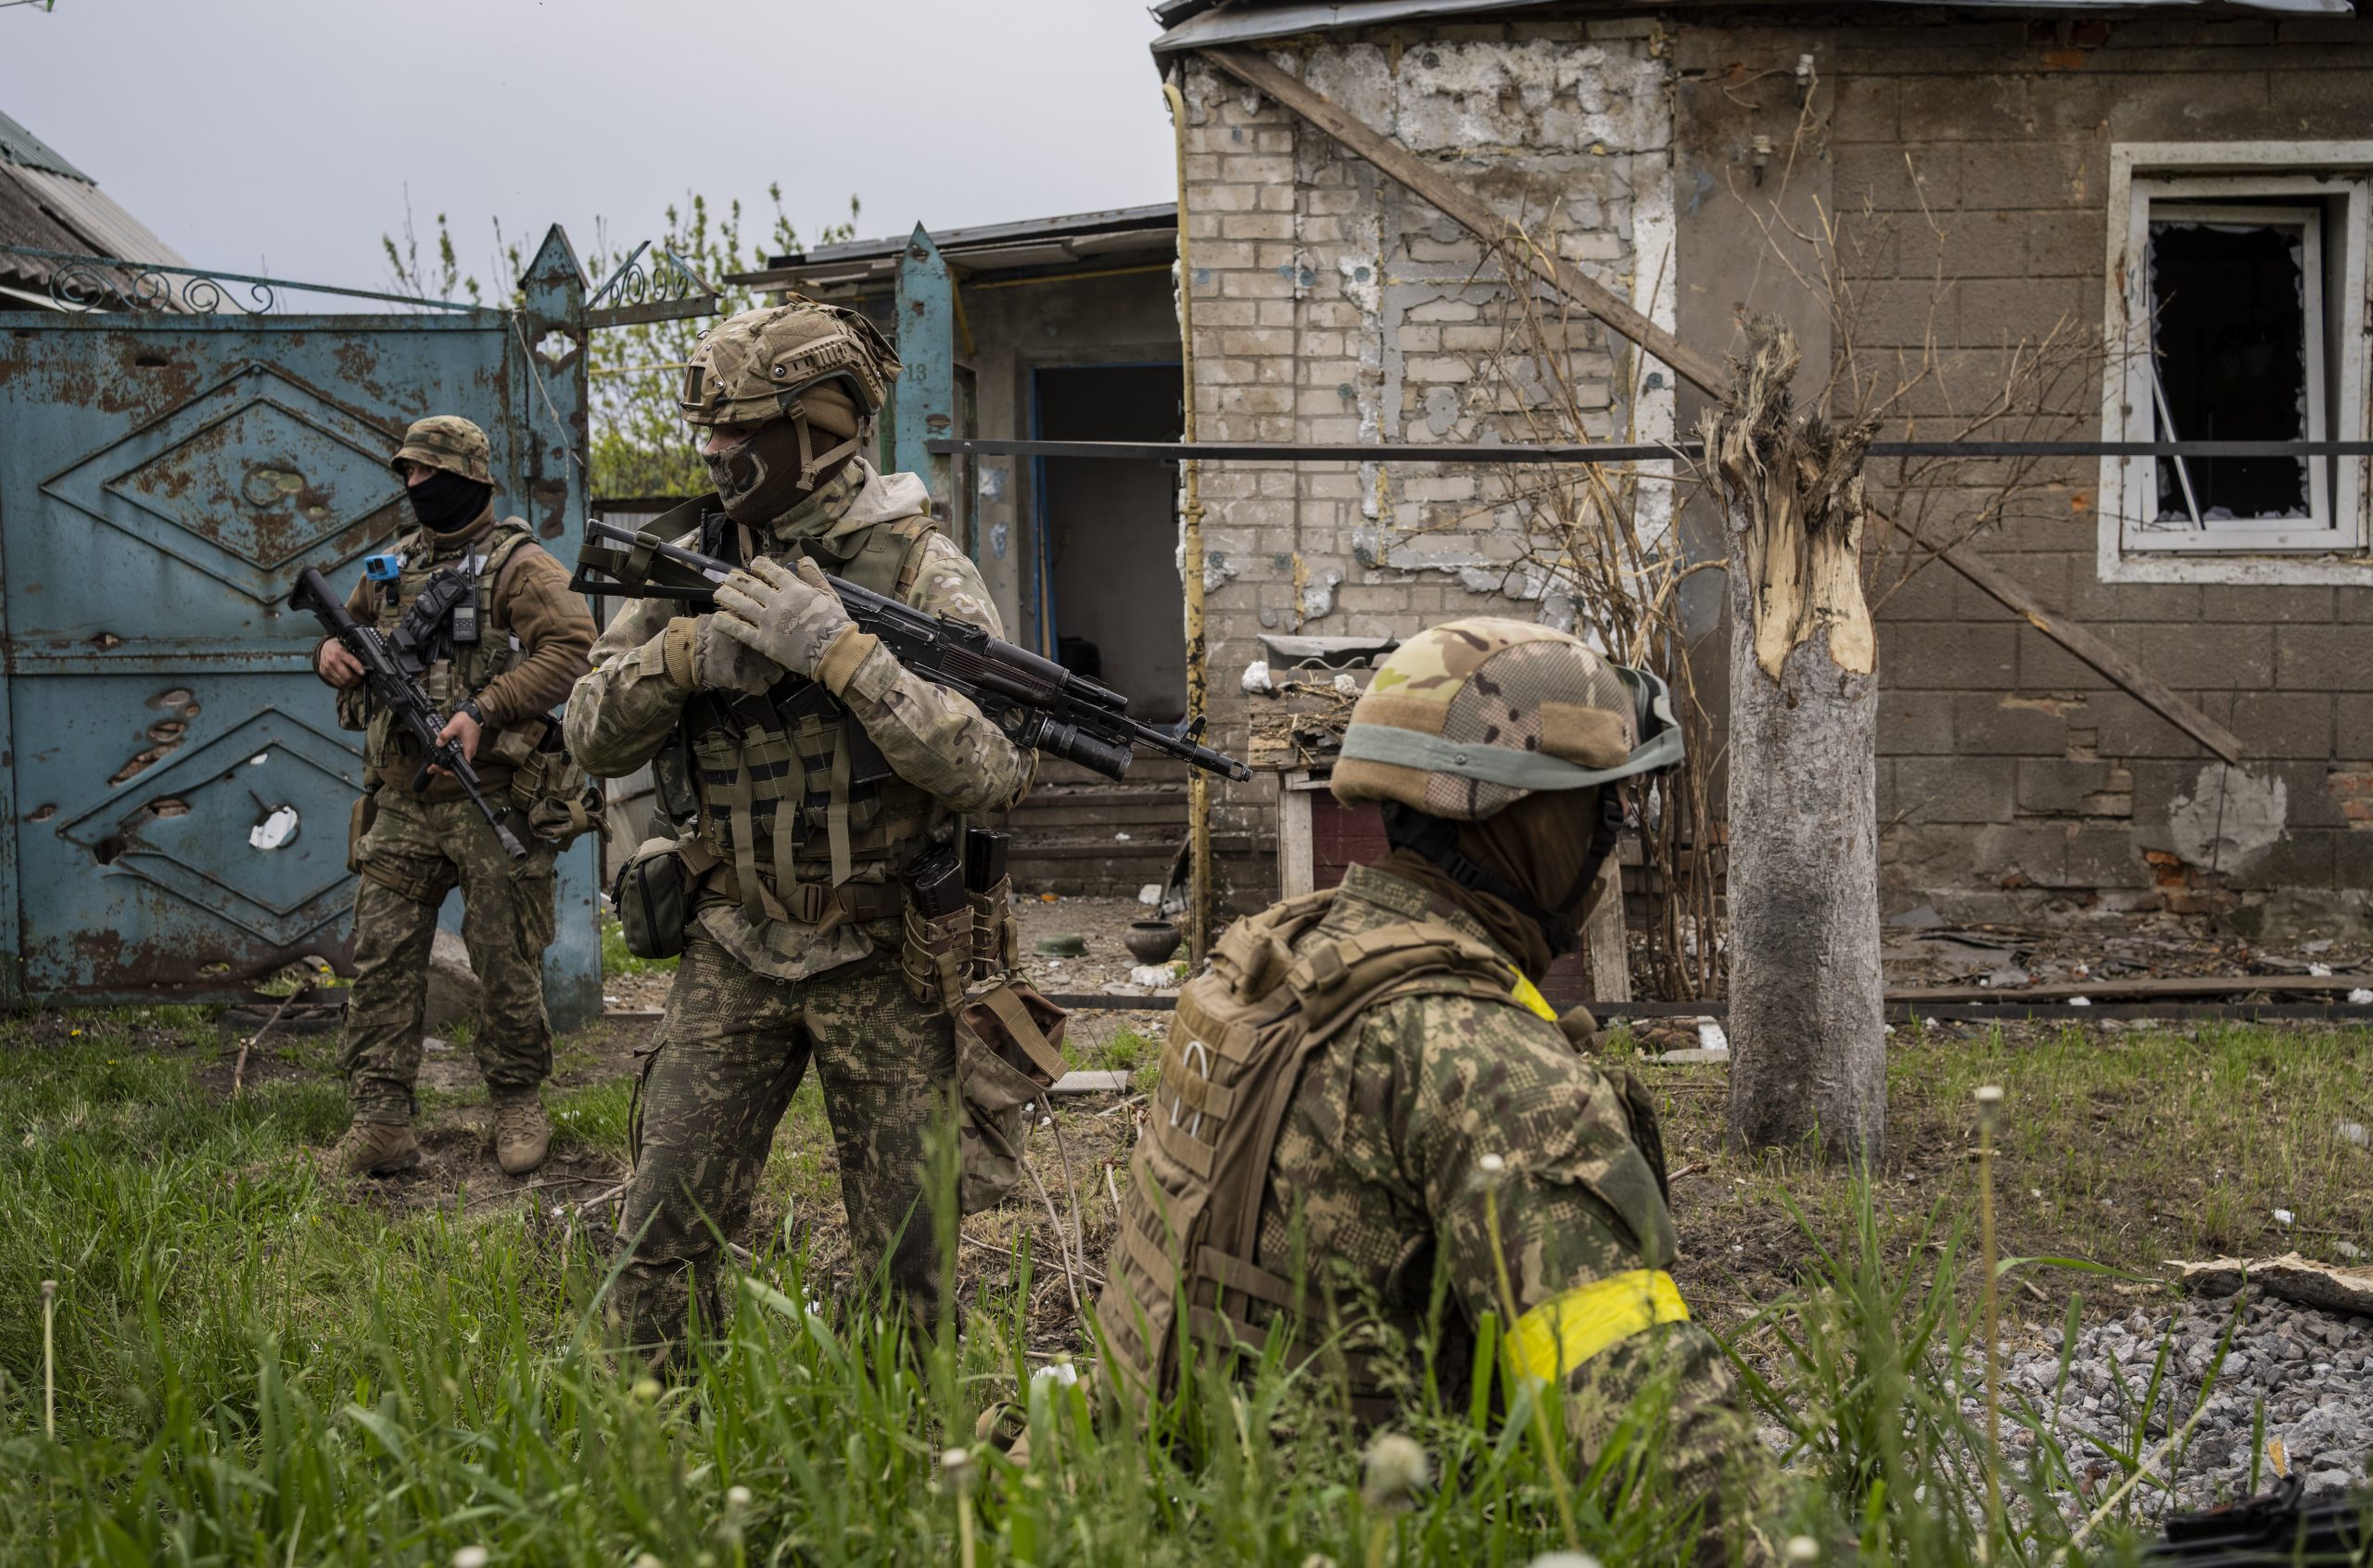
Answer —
(561, 802)
(1647, 1133)
(653, 896)
(1008, 1052)
(937, 954)
(358, 822)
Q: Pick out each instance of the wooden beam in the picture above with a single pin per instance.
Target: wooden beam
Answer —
(1435, 186)
(2087, 645)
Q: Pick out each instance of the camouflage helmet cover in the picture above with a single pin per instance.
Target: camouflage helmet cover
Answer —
(1468, 717)
(450, 442)
(748, 368)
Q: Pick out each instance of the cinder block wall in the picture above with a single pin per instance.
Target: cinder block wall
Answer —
(2014, 781)
(2017, 783)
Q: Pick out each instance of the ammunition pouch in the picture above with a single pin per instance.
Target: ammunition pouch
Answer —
(548, 785)
(935, 955)
(996, 936)
(1008, 1052)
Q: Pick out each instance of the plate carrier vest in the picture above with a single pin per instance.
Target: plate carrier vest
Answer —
(467, 666)
(764, 778)
(1190, 1226)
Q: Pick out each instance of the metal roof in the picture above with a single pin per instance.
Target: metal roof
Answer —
(48, 204)
(19, 145)
(1202, 24)
(1079, 240)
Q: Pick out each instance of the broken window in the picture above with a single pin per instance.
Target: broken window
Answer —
(2243, 318)
(2237, 341)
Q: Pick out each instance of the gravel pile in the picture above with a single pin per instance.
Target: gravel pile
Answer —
(2312, 1372)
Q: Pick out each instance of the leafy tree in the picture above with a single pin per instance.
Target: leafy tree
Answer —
(640, 446)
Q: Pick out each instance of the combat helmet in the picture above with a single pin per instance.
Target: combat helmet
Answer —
(450, 442)
(822, 367)
(1468, 717)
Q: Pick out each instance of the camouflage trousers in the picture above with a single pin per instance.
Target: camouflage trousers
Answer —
(415, 854)
(730, 1053)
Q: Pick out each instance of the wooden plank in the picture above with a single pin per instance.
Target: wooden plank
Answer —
(2141, 990)
(1606, 958)
(2087, 645)
(1435, 186)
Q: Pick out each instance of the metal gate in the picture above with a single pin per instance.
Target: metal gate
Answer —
(175, 789)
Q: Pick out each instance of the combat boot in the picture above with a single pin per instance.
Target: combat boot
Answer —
(522, 1135)
(375, 1148)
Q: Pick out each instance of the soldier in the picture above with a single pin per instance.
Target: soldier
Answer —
(509, 641)
(1360, 1066)
(804, 771)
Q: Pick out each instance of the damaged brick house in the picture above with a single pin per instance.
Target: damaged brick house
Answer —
(2171, 198)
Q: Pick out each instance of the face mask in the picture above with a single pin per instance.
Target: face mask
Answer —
(759, 481)
(447, 502)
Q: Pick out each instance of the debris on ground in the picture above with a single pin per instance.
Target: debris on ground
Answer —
(2290, 1277)
(2306, 1367)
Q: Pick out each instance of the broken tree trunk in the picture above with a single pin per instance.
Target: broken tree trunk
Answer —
(1807, 1017)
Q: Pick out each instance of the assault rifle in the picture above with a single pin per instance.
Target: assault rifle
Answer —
(1037, 702)
(2280, 1527)
(398, 692)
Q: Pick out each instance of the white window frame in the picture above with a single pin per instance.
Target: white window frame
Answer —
(2134, 545)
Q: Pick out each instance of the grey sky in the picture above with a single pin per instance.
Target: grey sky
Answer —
(282, 133)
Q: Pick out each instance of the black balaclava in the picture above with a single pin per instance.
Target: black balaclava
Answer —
(447, 502)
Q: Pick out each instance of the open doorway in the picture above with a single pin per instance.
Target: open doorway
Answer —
(1110, 602)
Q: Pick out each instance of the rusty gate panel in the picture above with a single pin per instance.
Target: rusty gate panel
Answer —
(174, 789)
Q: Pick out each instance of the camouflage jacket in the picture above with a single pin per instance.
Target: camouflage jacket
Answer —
(1374, 1181)
(624, 712)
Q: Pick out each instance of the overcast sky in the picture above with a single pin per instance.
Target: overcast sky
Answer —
(280, 136)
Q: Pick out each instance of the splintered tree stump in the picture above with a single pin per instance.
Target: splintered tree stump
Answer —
(1806, 1018)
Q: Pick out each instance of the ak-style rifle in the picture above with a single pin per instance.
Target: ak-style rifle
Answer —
(1037, 702)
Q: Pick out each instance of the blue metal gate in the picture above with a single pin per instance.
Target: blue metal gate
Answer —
(164, 476)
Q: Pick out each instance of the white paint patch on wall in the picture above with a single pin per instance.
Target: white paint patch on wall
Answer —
(1656, 294)
(2230, 820)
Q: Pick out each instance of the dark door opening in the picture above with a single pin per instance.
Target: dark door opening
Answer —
(1109, 536)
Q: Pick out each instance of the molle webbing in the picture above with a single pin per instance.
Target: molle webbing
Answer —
(774, 777)
(465, 669)
(1238, 1044)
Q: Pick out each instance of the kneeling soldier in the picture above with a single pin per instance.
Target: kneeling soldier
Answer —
(1360, 1066)
(488, 615)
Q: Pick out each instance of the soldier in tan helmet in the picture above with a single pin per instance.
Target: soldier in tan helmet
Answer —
(1359, 1066)
(803, 774)
(487, 615)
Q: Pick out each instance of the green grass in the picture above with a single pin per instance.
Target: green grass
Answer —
(255, 1366)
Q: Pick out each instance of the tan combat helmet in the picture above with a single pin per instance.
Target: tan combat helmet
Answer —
(821, 366)
(450, 442)
(1468, 717)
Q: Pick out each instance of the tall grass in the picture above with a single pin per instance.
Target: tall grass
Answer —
(254, 1366)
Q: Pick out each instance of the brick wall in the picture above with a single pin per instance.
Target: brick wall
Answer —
(2014, 782)
(1331, 305)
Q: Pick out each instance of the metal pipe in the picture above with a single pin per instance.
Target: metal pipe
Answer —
(1190, 567)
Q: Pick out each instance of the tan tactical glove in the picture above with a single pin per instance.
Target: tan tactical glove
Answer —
(701, 660)
(792, 618)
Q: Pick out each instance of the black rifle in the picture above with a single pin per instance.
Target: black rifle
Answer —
(2281, 1526)
(398, 692)
(1035, 701)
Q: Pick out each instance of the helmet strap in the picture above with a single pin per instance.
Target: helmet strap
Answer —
(812, 462)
